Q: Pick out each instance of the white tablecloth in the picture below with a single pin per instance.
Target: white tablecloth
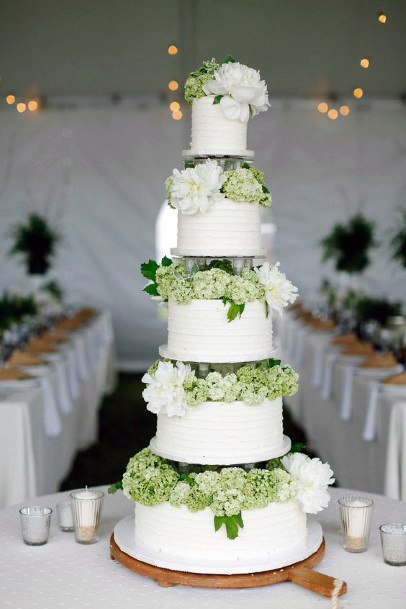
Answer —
(64, 574)
(337, 415)
(40, 431)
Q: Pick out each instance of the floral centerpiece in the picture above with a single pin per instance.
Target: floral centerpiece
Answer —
(227, 491)
(173, 387)
(198, 187)
(35, 240)
(266, 283)
(237, 88)
(398, 241)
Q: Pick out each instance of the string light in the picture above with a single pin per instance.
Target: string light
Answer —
(10, 99)
(172, 49)
(382, 17)
(364, 62)
(177, 115)
(344, 110)
(32, 105)
(174, 106)
(332, 114)
(173, 85)
(21, 107)
(322, 107)
(358, 92)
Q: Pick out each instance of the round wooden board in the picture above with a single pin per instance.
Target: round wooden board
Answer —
(300, 573)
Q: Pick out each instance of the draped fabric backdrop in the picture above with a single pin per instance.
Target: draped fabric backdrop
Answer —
(98, 174)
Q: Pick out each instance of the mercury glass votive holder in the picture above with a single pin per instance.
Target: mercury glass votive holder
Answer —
(65, 516)
(393, 540)
(35, 522)
(86, 507)
(355, 519)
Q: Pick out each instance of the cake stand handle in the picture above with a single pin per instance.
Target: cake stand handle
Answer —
(315, 581)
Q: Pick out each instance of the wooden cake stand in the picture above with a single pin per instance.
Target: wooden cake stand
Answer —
(300, 573)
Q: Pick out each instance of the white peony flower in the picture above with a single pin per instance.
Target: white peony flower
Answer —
(312, 478)
(198, 188)
(279, 291)
(164, 391)
(242, 88)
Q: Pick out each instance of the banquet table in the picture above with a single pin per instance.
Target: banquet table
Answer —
(63, 573)
(46, 420)
(362, 437)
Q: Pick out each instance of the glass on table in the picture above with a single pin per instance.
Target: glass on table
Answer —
(393, 540)
(65, 516)
(35, 521)
(86, 505)
(355, 518)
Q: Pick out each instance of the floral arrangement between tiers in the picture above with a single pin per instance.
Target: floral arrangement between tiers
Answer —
(199, 187)
(151, 480)
(265, 283)
(173, 387)
(237, 88)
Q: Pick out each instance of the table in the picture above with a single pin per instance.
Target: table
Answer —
(357, 463)
(64, 574)
(41, 428)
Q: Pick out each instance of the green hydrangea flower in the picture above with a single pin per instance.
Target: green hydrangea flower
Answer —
(196, 390)
(241, 185)
(168, 189)
(258, 175)
(149, 479)
(211, 285)
(282, 381)
(179, 494)
(195, 81)
(196, 500)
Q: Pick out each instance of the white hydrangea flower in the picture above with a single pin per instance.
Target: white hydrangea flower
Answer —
(279, 291)
(197, 189)
(312, 478)
(164, 391)
(242, 89)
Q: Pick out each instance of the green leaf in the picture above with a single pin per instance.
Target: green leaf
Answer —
(224, 265)
(166, 261)
(234, 308)
(297, 447)
(149, 269)
(232, 524)
(265, 190)
(187, 478)
(151, 289)
(228, 59)
(189, 165)
(246, 166)
(115, 487)
(195, 269)
(274, 362)
(266, 309)
(217, 99)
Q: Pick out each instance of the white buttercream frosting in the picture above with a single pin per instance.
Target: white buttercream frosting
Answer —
(185, 534)
(222, 433)
(228, 228)
(200, 332)
(213, 132)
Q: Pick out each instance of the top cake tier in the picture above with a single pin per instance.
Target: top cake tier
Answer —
(224, 96)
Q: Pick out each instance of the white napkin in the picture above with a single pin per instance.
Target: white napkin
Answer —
(64, 399)
(318, 364)
(52, 420)
(346, 402)
(328, 375)
(369, 432)
(395, 475)
(81, 357)
(72, 371)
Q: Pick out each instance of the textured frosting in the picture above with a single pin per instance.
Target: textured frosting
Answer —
(228, 228)
(200, 332)
(213, 132)
(182, 533)
(222, 433)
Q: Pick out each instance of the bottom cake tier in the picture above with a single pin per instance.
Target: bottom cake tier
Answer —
(184, 535)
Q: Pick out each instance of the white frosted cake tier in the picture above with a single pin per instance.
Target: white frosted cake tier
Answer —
(221, 433)
(200, 332)
(191, 535)
(228, 228)
(213, 132)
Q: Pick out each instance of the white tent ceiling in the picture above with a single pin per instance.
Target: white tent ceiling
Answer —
(303, 47)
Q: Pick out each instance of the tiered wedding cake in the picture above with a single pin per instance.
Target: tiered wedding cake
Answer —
(220, 484)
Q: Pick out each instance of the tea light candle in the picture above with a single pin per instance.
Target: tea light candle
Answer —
(355, 522)
(87, 508)
(65, 516)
